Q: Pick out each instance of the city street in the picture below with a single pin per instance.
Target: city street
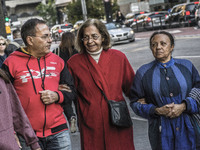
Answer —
(187, 46)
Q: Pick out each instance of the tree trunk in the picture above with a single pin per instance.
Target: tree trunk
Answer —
(2, 21)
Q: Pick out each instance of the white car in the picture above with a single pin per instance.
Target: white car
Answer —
(120, 33)
(59, 29)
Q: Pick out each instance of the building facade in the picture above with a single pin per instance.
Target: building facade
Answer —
(20, 10)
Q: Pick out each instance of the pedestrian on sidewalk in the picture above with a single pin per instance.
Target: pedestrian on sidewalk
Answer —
(98, 66)
(3, 53)
(120, 17)
(36, 74)
(16, 43)
(13, 118)
(160, 93)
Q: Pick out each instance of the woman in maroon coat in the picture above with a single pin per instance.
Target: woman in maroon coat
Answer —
(13, 119)
(96, 67)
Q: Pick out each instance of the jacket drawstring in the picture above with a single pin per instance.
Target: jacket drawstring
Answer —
(43, 78)
(31, 75)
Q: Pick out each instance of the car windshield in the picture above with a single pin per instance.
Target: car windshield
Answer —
(66, 26)
(157, 15)
(190, 7)
(110, 26)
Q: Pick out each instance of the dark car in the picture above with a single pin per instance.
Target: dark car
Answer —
(131, 17)
(197, 16)
(156, 20)
(139, 22)
(182, 14)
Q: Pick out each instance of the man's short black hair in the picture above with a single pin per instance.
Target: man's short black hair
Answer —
(28, 28)
(16, 31)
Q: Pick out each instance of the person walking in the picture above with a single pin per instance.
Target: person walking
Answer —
(36, 74)
(99, 67)
(120, 17)
(160, 93)
(16, 43)
(65, 50)
(13, 118)
(3, 53)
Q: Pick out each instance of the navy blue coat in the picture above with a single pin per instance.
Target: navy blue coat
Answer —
(161, 84)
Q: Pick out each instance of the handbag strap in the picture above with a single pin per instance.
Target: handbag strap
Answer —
(100, 89)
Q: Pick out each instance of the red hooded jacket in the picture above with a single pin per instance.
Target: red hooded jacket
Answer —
(31, 75)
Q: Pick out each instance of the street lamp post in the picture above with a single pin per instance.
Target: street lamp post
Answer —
(84, 10)
(108, 10)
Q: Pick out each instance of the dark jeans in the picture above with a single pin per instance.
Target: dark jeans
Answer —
(59, 141)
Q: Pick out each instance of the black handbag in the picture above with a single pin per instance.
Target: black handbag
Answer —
(119, 113)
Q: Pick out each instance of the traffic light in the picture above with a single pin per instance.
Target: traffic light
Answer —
(7, 25)
(6, 19)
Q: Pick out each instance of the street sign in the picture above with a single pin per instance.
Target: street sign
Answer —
(8, 31)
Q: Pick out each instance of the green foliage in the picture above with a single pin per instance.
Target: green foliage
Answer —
(115, 7)
(74, 11)
(95, 9)
(48, 12)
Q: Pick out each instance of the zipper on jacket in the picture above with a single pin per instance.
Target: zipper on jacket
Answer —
(44, 119)
(45, 107)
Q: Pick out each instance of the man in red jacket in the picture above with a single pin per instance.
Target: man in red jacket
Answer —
(36, 74)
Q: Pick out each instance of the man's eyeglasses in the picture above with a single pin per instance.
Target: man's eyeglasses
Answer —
(44, 37)
(2, 44)
(93, 36)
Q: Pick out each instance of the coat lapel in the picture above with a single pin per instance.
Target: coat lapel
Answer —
(96, 73)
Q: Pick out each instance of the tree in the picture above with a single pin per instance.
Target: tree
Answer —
(95, 9)
(74, 11)
(115, 7)
(48, 12)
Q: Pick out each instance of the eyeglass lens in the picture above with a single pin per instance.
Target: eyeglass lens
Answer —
(94, 37)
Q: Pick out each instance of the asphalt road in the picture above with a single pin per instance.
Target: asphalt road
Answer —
(187, 46)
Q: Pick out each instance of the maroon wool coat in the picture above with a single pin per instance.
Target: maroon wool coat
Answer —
(13, 118)
(114, 75)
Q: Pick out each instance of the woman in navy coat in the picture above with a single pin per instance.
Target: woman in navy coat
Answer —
(160, 93)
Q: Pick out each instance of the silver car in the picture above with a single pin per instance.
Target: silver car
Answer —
(120, 33)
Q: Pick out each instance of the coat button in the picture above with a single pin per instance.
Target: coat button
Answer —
(177, 128)
(171, 94)
(167, 78)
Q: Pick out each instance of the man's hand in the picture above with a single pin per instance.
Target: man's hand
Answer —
(48, 97)
(64, 87)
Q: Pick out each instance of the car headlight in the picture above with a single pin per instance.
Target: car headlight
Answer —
(111, 35)
(131, 32)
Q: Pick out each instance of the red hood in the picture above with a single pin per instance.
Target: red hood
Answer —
(21, 52)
